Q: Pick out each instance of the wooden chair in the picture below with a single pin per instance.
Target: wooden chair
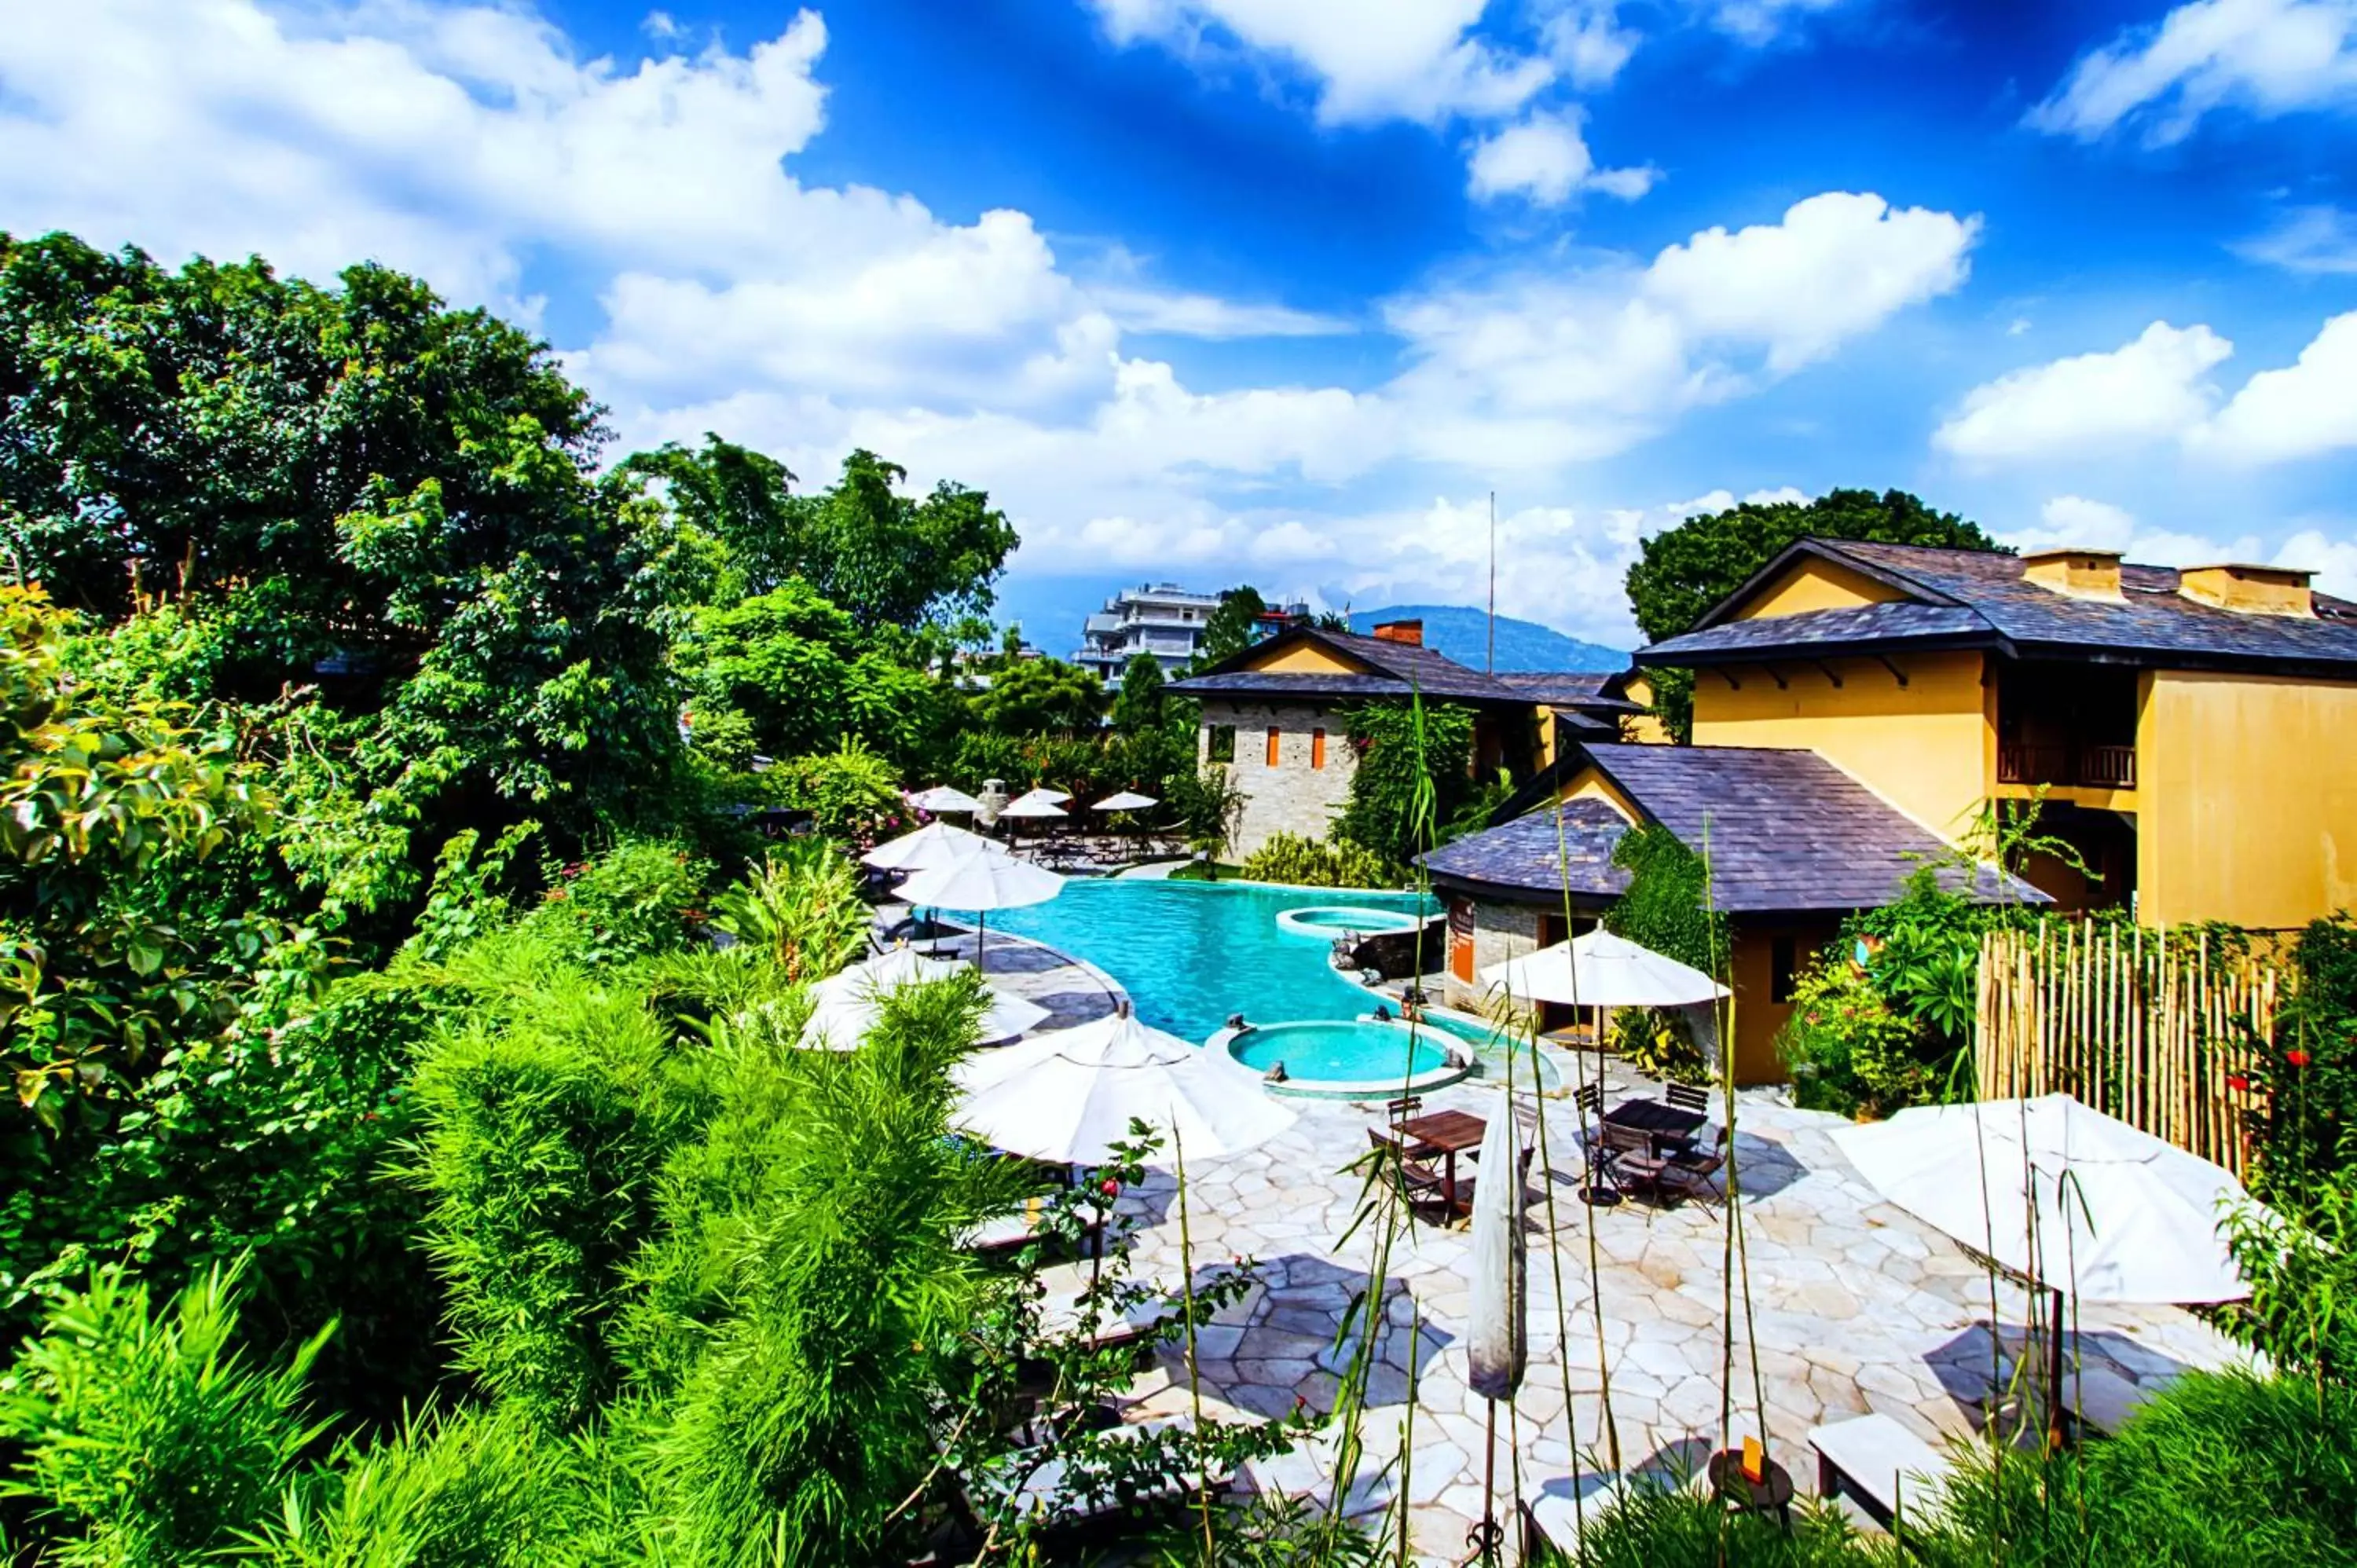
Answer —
(1625, 1156)
(1687, 1097)
(1405, 1108)
(1691, 1170)
(1421, 1186)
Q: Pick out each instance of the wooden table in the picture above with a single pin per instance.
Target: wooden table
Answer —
(1447, 1131)
(1771, 1493)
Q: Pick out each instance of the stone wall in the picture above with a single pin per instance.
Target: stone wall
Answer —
(1501, 931)
(1293, 797)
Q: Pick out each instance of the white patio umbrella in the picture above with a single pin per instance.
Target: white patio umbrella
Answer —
(1127, 800)
(942, 798)
(935, 844)
(1054, 797)
(841, 1023)
(2078, 1202)
(1598, 968)
(1037, 803)
(1069, 1094)
(1498, 1336)
(982, 883)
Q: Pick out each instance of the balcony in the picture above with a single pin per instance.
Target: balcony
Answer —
(2082, 767)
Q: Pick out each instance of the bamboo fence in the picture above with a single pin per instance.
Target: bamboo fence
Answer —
(2147, 1025)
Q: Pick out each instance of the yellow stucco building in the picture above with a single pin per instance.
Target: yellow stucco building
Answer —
(2193, 734)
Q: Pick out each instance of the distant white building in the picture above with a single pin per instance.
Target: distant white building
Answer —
(1160, 618)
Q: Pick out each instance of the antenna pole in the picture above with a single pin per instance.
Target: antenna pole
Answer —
(1491, 664)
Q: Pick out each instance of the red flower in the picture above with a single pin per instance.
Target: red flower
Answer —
(2297, 1058)
(1111, 1188)
(2238, 1083)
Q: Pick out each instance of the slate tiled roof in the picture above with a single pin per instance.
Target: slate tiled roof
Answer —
(1980, 599)
(1568, 689)
(1400, 669)
(1785, 830)
(1526, 856)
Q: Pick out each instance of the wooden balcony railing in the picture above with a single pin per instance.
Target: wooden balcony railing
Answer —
(2086, 767)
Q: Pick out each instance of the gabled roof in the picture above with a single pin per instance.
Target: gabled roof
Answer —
(1979, 599)
(1393, 670)
(1784, 830)
(1586, 690)
(1530, 856)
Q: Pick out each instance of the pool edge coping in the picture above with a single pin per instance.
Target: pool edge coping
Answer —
(1449, 1073)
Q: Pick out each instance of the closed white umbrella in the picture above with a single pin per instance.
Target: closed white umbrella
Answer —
(1070, 1095)
(1127, 800)
(1498, 1336)
(935, 844)
(982, 883)
(942, 798)
(1598, 968)
(2079, 1202)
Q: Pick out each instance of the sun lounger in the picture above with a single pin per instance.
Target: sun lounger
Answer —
(1881, 1464)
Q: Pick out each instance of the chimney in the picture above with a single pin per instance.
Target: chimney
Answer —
(2075, 574)
(1410, 632)
(2251, 590)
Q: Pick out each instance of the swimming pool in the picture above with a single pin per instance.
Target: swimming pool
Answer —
(1190, 953)
(1324, 922)
(1332, 1056)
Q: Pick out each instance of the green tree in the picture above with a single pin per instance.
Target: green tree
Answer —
(807, 678)
(1042, 696)
(889, 559)
(1228, 630)
(1404, 748)
(1140, 704)
(742, 497)
(1680, 573)
(384, 506)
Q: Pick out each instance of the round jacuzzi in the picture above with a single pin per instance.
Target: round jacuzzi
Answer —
(1327, 921)
(1352, 1058)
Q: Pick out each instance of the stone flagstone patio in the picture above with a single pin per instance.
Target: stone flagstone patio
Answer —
(1857, 1307)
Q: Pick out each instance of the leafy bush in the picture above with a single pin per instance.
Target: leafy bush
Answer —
(145, 1434)
(1408, 755)
(1208, 805)
(851, 793)
(547, 1118)
(2308, 1136)
(1848, 1050)
(1307, 862)
(638, 899)
(801, 910)
(1660, 1043)
(2302, 1270)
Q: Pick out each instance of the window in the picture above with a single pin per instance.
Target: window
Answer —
(1318, 748)
(1783, 961)
(1275, 738)
(1222, 745)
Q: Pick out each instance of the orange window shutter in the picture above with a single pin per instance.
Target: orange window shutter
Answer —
(1275, 735)
(1318, 748)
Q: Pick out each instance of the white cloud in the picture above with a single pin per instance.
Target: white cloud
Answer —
(662, 24)
(1545, 160)
(1763, 22)
(2266, 56)
(1372, 60)
(1833, 267)
(2310, 239)
(2301, 411)
(2154, 387)
(2066, 520)
(1587, 39)
(1210, 316)
(2334, 560)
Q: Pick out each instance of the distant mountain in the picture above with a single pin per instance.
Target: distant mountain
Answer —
(1462, 633)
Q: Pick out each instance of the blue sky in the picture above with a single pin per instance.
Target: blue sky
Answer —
(1280, 290)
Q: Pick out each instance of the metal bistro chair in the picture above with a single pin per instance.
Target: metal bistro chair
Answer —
(1421, 1187)
(1687, 1097)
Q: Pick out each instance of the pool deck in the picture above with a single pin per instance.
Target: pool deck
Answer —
(1856, 1305)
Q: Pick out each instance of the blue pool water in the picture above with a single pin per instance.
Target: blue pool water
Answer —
(1335, 920)
(1189, 953)
(1359, 1053)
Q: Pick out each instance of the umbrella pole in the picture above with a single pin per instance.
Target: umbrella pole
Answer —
(981, 935)
(1486, 1538)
